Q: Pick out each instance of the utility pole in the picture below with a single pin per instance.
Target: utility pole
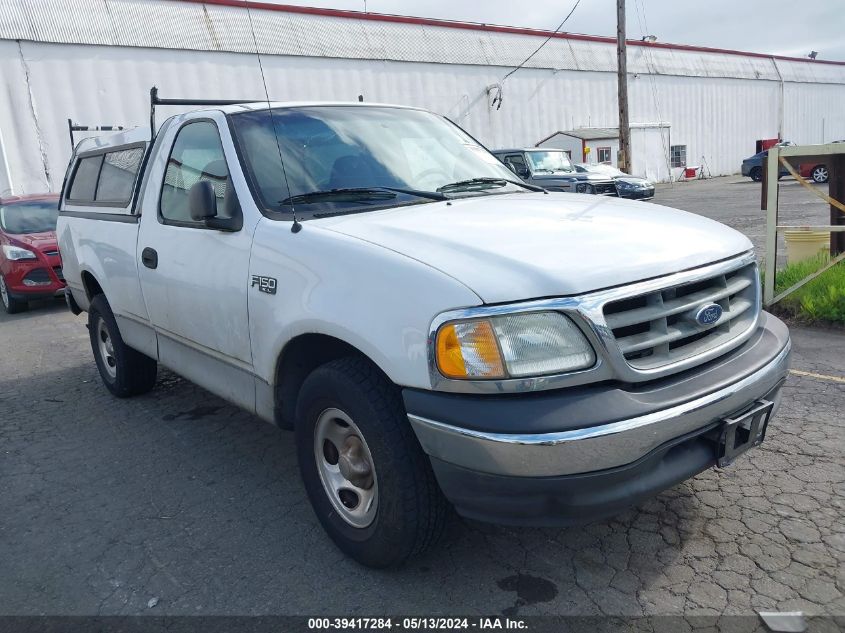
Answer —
(624, 158)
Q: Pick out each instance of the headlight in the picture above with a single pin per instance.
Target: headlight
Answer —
(512, 346)
(16, 252)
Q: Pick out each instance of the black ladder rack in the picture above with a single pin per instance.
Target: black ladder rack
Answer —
(156, 100)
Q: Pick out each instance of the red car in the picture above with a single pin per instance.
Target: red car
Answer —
(30, 267)
(815, 172)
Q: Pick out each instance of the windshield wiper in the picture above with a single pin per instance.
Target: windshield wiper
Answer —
(361, 193)
(478, 184)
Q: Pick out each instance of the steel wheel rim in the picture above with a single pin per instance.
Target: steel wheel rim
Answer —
(820, 174)
(4, 293)
(346, 468)
(106, 348)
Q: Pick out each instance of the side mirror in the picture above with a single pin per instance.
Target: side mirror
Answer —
(202, 202)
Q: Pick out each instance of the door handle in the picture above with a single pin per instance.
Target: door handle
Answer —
(149, 258)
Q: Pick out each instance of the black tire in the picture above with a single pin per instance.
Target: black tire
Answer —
(10, 304)
(820, 174)
(125, 371)
(756, 174)
(410, 513)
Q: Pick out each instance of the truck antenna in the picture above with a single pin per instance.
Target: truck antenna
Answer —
(296, 227)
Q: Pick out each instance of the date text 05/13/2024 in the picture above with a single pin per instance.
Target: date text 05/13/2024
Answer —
(417, 624)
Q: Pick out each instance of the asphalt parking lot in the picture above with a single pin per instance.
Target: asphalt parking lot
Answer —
(735, 201)
(178, 503)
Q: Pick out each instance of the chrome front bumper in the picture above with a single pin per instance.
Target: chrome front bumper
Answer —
(599, 447)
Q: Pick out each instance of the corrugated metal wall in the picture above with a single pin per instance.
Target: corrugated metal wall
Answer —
(211, 27)
(716, 104)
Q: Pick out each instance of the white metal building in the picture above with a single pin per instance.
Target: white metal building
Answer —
(601, 145)
(94, 61)
(586, 144)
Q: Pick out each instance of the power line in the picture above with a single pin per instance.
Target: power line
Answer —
(546, 41)
(651, 66)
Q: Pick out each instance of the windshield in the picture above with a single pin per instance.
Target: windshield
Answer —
(550, 161)
(328, 148)
(29, 217)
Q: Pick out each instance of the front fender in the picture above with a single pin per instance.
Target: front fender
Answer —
(377, 300)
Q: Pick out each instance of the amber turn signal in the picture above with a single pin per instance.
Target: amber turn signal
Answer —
(468, 349)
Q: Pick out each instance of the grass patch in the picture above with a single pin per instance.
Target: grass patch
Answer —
(822, 299)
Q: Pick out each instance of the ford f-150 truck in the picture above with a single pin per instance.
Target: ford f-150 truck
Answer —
(436, 333)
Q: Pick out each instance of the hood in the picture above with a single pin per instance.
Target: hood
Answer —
(574, 175)
(633, 180)
(551, 179)
(38, 241)
(521, 246)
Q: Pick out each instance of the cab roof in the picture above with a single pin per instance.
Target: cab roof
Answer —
(262, 105)
(141, 134)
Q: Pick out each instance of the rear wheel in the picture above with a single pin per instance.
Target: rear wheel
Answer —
(366, 475)
(10, 304)
(756, 174)
(820, 173)
(125, 371)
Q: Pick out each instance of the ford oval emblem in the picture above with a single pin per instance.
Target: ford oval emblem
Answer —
(708, 314)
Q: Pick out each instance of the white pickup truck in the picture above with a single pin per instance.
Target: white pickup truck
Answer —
(437, 333)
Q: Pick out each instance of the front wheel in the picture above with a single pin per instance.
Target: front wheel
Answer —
(10, 304)
(366, 475)
(125, 371)
(756, 174)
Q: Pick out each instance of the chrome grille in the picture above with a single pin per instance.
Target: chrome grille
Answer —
(658, 328)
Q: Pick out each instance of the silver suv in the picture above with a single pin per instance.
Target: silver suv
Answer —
(552, 170)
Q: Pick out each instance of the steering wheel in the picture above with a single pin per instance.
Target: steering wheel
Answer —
(432, 173)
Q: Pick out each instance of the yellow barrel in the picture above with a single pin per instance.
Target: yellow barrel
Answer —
(804, 244)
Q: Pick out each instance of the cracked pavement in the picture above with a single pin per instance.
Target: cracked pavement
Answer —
(178, 503)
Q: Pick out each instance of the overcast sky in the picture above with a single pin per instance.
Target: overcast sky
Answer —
(787, 27)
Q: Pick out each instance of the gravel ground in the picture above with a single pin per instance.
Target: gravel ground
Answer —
(178, 503)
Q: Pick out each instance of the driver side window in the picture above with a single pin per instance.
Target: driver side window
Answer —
(197, 155)
(516, 162)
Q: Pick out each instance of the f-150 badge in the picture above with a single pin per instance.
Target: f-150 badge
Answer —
(265, 284)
